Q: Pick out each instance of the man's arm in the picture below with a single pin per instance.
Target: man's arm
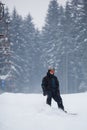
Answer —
(57, 84)
(44, 84)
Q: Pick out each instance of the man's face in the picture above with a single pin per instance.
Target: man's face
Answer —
(52, 71)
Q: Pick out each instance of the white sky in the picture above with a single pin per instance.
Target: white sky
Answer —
(37, 8)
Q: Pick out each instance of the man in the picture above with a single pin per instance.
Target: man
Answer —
(50, 86)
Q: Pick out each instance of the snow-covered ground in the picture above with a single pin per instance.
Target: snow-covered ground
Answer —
(30, 112)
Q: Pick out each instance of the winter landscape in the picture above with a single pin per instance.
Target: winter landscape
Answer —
(30, 112)
(27, 51)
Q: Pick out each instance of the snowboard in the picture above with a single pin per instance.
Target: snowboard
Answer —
(70, 113)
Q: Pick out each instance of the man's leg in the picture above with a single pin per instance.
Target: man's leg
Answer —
(58, 99)
(60, 103)
(49, 98)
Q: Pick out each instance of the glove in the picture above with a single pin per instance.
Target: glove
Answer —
(44, 93)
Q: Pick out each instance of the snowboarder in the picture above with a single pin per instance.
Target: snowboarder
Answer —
(50, 86)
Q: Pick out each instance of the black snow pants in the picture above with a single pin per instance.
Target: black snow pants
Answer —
(53, 94)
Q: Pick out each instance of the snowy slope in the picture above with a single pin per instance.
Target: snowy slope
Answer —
(29, 112)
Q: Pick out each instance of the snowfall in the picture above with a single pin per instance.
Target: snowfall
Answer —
(30, 112)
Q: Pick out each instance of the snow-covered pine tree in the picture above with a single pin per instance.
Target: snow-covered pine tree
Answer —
(75, 31)
(16, 37)
(82, 43)
(75, 64)
(84, 57)
(38, 65)
(71, 67)
(50, 35)
(67, 43)
(5, 52)
(29, 52)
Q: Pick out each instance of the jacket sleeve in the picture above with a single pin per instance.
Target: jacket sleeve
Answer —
(44, 84)
(57, 84)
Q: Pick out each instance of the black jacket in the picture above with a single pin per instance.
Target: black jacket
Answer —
(50, 83)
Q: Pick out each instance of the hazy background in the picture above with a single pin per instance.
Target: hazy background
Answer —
(60, 41)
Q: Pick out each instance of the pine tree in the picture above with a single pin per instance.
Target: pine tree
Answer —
(16, 37)
(29, 50)
(75, 32)
(82, 39)
(38, 65)
(5, 52)
(67, 46)
(71, 27)
(50, 34)
(76, 74)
